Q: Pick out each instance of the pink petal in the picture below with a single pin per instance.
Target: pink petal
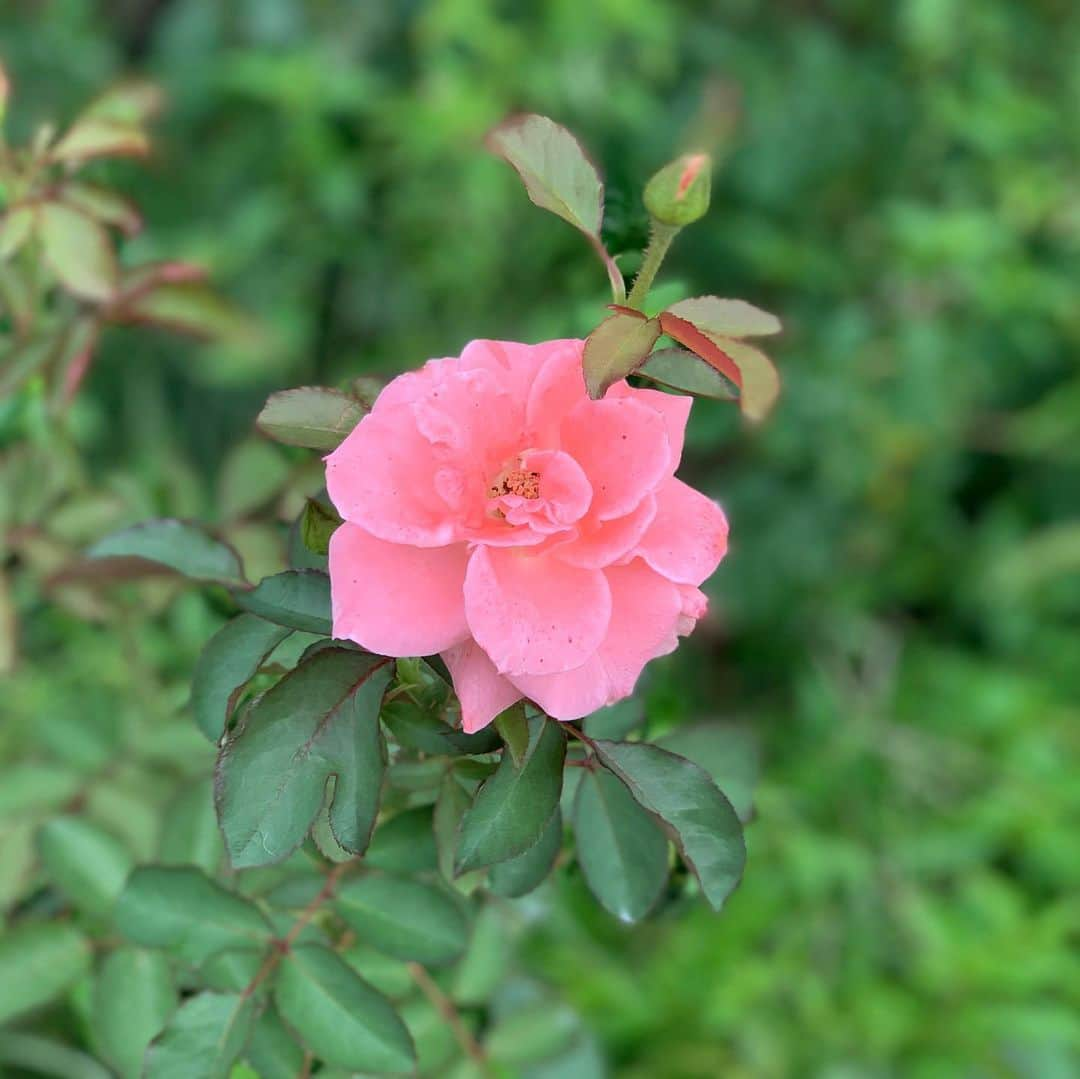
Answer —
(559, 387)
(565, 493)
(688, 537)
(602, 543)
(394, 599)
(483, 692)
(622, 445)
(694, 606)
(532, 613)
(675, 408)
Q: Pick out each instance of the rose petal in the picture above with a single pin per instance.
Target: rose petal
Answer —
(482, 691)
(602, 543)
(559, 387)
(688, 536)
(394, 599)
(532, 613)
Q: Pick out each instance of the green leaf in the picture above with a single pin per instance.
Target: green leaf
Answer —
(252, 473)
(190, 307)
(37, 963)
(339, 1016)
(760, 379)
(450, 807)
(436, 1045)
(514, 731)
(185, 548)
(189, 831)
(182, 910)
(203, 1038)
(532, 1033)
(616, 348)
(728, 752)
(617, 720)
(15, 228)
(514, 806)
(314, 417)
(701, 344)
(86, 863)
(272, 1050)
(320, 720)
(731, 318)
(133, 997)
(487, 960)
(390, 976)
(702, 822)
(405, 843)
(678, 369)
(317, 524)
(93, 136)
(230, 659)
(42, 1056)
(105, 206)
(621, 849)
(231, 970)
(29, 788)
(297, 598)
(520, 875)
(77, 249)
(404, 918)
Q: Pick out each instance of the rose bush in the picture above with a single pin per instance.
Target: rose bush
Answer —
(539, 540)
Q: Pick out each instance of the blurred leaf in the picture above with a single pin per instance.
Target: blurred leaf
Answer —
(514, 731)
(317, 524)
(37, 963)
(680, 370)
(405, 843)
(320, 720)
(95, 136)
(620, 848)
(615, 348)
(228, 661)
(184, 911)
(487, 959)
(702, 822)
(314, 417)
(189, 830)
(133, 101)
(530, 1034)
(30, 787)
(42, 1056)
(519, 875)
(15, 228)
(78, 250)
(728, 752)
(390, 976)
(760, 385)
(339, 1016)
(179, 545)
(298, 599)
(513, 807)
(702, 345)
(730, 318)
(87, 864)
(617, 720)
(231, 970)
(436, 1045)
(203, 1038)
(450, 807)
(188, 307)
(403, 918)
(104, 206)
(272, 1050)
(133, 997)
(252, 474)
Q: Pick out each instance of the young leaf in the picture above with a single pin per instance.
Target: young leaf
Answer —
(339, 1016)
(87, 864)
(229, 660)
(203, 1038)
(760, 380)
(702, 822)
(404, 918)
(104, 206)
(178, 545)
(182, 910)
(731, 318)
(99, 137)
(513, 807)
(514, 731)
(314, 417)
(37, 963)
(680, 370)
(299, 599)
(620, 848)
(520, 875)
(133, 997)
(618, 346)
(729, 753)
(317, 524)
(320, 720)
(78, 251)
(686, 333)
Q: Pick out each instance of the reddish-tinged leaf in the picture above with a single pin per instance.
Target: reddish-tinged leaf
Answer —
(92, 137)
(685, 372)
(186, 307)
(77, 355)
(760, 381)
(78, 251)
(686, 333)
(618, 346)
(732, 318)
(622, 309)
(142, 279)
(130, 103)
(103, 205)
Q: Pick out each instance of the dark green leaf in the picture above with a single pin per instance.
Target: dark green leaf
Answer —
(620, 848)
(203, 1038)
(520, 875)
(702, 822)
(339, 1016)
(320, 720)
(298, 598)
(403, 918)
(272, 1050)
(37, 963)
(231, 657)
(617, 720)
(87, 864)
(179, 546)
(318, 523)
(182, 910)
(514, 731)
(514, 806)
(728, 752)
(405, 843)
(678, 369)
(617, 347)
(312, 416)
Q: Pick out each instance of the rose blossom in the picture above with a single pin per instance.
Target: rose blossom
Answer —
(537, 539)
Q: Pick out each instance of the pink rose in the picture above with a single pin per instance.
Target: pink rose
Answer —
(537, 539)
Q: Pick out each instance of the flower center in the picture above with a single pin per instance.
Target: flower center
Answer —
(516, 481)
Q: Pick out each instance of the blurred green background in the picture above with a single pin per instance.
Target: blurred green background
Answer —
(897, 620)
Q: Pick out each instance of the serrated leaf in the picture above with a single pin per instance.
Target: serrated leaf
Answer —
(133, 997)
(314, 417)
(320, 720)
(701, 820)
(182, 547)
(203, 1038)
(182, 910)
(297, 598)
(621, 849)
(520, 875)
(728, 752)
(678, 369)
(87, 864)
(78, 251)
(760, 379)
(339, 1016)
(686, 333)
(227, 663)
(513, 807)
(403, 918)
(514, 731)
(272, 1050)
(731, 318)
(37, 963)
(617, 347)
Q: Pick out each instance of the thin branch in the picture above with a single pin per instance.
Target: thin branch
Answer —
(445, 1007)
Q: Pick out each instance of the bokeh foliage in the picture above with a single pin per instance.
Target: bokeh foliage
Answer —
(897, 617)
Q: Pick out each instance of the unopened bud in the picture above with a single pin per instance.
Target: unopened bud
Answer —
(679, 193)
